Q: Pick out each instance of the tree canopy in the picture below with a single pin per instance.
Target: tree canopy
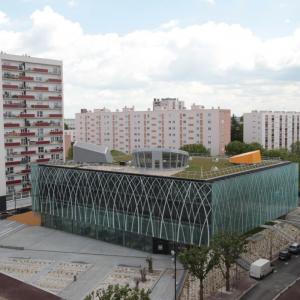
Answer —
(195, 149)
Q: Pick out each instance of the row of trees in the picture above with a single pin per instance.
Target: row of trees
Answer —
(222, 253)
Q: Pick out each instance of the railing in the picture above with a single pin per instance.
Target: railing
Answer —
(18, 200)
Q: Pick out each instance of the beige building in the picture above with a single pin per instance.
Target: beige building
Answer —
(272, 129)
(168, 125)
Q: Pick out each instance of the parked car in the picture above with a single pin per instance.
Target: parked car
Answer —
(284, 254)
(260, 268)
(294, 248)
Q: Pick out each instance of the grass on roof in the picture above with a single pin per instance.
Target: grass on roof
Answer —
(207, 163)
(120, 156)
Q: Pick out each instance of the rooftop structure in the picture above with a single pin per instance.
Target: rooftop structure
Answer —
(31, 118)
(168, 125)
(90, 153)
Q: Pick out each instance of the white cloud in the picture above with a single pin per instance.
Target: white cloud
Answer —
(210, 1)
(3, 18)
(214, 64)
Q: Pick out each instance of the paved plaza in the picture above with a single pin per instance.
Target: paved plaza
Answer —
(49, 259)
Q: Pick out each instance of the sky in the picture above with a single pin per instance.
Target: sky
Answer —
(238, 54)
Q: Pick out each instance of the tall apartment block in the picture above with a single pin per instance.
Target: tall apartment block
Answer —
(31, 118)
(273, 130)
(168, 125)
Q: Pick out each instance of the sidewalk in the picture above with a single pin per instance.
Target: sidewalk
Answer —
(240, 288)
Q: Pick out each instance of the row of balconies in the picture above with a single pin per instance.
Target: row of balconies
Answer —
(28, 124)
(18, 144)
(34, 152)
(33, 106)
(28, 115)
(29, 133)
(31, 97)
(31, 70)
(10, 76)
(29, 88)
(25, 161)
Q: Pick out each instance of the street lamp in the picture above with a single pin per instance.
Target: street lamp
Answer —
(173, 253)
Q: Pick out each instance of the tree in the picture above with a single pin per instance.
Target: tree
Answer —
(235, 147)
(70, 153)
(199, 261)
(195, 149)
(295, 148)
(227, 248)
(236, 129)
(117, 292)
(253, 147)
(66, 126)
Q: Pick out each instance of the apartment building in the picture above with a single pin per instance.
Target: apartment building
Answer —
(168, 125)
(31, 118)
(273, 130)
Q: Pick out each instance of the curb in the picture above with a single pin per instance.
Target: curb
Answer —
(285, 289)
(247, 290)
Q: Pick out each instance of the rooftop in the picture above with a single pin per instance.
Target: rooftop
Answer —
(199, 168)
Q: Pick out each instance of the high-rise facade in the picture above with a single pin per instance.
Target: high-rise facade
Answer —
(168, 125)
(273, 130)
(31, 118)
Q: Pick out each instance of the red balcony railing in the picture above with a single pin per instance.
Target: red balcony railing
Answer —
(12, 163)
(8, 67)
(55, 115)
(56, 150)
(43, 159)
(40, 70)
(26, 189)
(13, 105)
(10, 182)
(41, 88)
(11, 125)
(55, 98)
(26, 78)
(40, 106)
(58, 132)
(41, 124)
(26, 171)
(10, 86)
(26, 115)
(26, 97)
(28, 152)
(42, 142)
(54, 80)
(27, 134)
(12, 144)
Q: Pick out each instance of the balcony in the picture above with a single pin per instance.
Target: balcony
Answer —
(12, 163)
(9, 67)
(26, 171)
(55, 98)
(26, 78)
(28, 152)
(10, 86)
(26, 97)
(38, 70)
(40, 106)
(57, 132)
(13, 105)
(24, 115)
(41, 123)
(42, 160)
(55, 115)
(41, 142)
(12, 182)
(26, 189)
(21, 134)
(12, 144)
(53, 80)
(11, 125)
(56, 150)
(41, 88)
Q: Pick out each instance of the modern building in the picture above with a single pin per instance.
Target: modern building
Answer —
(273, 130)
(168, 125)
(31, 118)
(90, 153)
(130, 206)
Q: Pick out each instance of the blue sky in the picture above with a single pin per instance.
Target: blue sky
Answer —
(235, 54)
(268, 18)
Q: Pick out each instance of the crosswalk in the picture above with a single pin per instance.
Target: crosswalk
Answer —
(8, 227)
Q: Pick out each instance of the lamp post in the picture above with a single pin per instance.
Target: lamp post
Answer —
(173, 253)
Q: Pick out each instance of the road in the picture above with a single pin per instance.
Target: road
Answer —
(284, 274)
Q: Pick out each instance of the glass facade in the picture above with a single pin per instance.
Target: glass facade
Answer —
(134, 210)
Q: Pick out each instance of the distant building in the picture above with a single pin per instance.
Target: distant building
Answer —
(273, 130)
(168, 125)
(70, 123)
(31, 118)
